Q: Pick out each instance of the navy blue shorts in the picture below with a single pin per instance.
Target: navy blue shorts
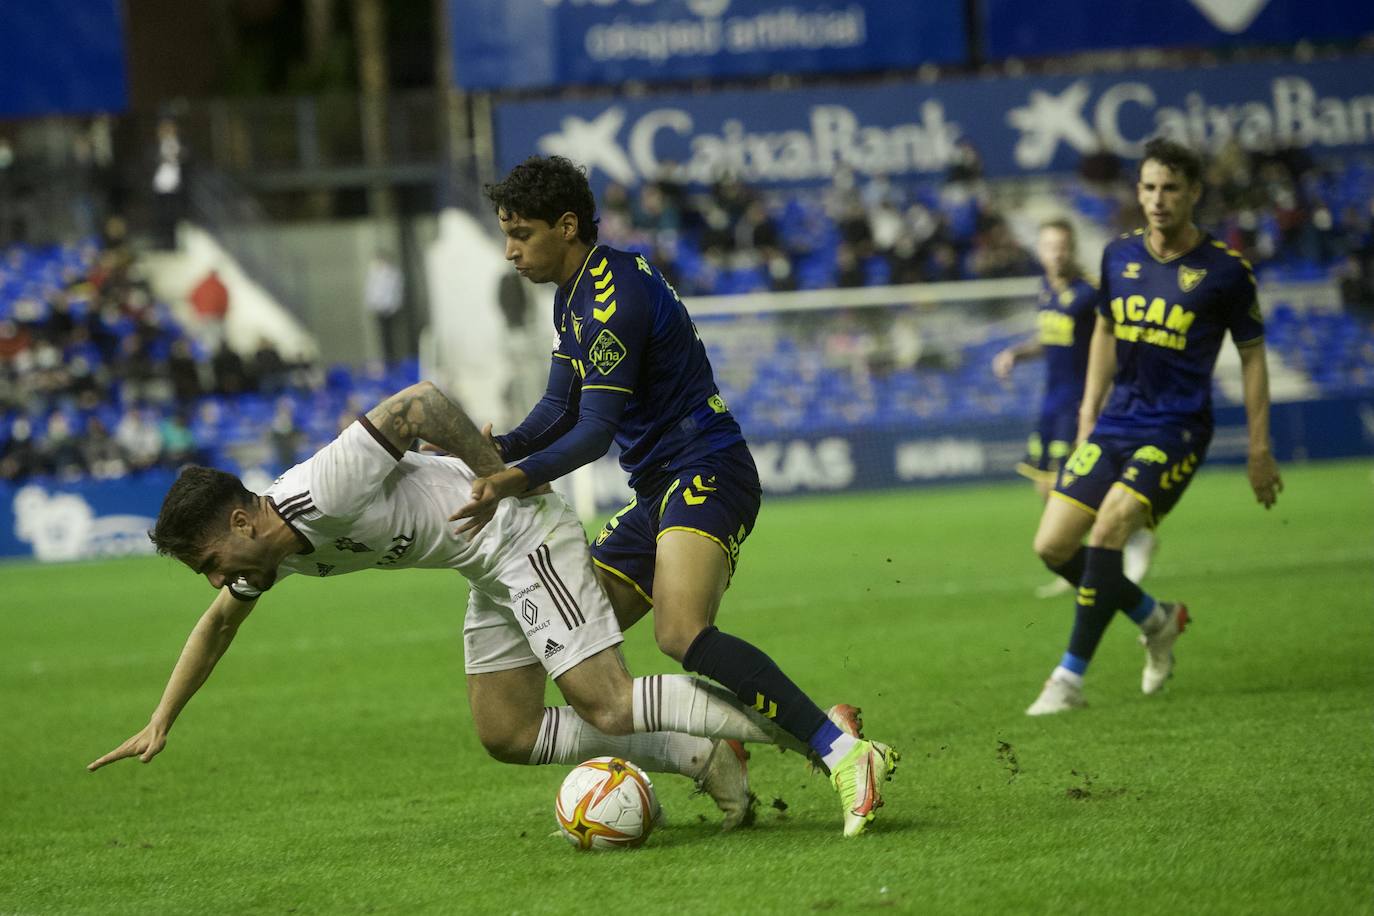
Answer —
(1155, 467)
(716, 496)
(1049, 445)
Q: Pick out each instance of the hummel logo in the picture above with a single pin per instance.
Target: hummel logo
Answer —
(551, 649)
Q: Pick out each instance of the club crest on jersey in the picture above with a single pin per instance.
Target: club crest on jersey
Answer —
(606, 352)
(1188, 278)
(1066, 298)
(1132, 271)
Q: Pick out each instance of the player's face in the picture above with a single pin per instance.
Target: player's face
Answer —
(1054, 250)
(233, 556)
(537, 249)
(1166, 196)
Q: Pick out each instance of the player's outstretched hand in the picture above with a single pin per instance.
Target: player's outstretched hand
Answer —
(479, 510)
(1002, 363)
(145, 745)
(1264, 478)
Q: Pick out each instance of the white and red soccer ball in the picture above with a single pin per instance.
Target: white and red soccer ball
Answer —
(606, 803)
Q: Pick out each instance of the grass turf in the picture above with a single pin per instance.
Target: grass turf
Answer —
(329, 766)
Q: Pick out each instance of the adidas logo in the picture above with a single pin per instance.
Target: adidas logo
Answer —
(551, 649)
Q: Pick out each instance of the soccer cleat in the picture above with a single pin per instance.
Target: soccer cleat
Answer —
(1060, 586)
(848, 719)
(1057, 696)
(726, 780)
(858, 777)
(1159, 647)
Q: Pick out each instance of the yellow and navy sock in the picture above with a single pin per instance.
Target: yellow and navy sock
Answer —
(1071, 570)
(1103, 591)
(760, 684)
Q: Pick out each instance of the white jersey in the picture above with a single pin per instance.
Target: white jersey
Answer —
(362, 504)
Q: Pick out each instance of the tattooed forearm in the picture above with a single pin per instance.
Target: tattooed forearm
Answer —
(423, 412)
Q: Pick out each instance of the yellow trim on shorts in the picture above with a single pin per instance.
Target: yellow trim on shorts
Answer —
(711, 537)
(620, 575)
(1033, 473)
(1145, 501)
(1069, 499)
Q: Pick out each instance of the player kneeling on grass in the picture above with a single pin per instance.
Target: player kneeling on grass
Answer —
(534, 608)
(1169, 295)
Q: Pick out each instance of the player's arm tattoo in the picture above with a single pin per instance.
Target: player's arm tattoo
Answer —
(422, 411)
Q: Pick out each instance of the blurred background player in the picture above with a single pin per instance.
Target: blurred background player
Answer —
(629, 368)
(1067, 311)
(1170, 293)
(534, 608)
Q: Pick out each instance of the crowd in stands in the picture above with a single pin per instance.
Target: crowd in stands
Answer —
(98, 379)
(1293, 218)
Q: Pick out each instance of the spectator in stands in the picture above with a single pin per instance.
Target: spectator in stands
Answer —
(103, 457)
(849, 270)
(183, 371)
(169, 183)
(138, 436)
(283, 436)
(230, 375)
(178, 442)
(997, 254)
(966, 165)
(383, 296)
(60, 450)
(268, 372)
(20, 458)
(210, 304)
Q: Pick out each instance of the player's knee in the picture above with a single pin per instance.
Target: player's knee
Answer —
(506, 747)
(1053, 551)
(674, 638)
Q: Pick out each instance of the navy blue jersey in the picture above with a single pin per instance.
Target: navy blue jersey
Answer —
(624, 328)
(1066, 319)
(1170, 316)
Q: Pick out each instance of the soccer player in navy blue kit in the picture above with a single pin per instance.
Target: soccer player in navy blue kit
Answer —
(1169, 294)
(628, 367)
(1065, 319)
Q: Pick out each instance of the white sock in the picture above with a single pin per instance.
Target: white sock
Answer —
(565, 738)
(1061, 673)
(838, 749)
(1136, 555)
(678, 703)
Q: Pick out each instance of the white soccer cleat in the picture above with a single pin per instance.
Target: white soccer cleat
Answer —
(1057, 696)
(1060, 586)
(1159, 647)
(726, 780)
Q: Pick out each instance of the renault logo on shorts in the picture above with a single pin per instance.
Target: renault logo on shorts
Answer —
(530, 611)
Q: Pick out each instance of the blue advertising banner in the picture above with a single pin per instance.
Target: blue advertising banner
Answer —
(1012, 28)
(1018, 126)
(512, 44)
(61, 58)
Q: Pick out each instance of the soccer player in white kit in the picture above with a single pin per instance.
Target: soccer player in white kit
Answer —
(534, 608)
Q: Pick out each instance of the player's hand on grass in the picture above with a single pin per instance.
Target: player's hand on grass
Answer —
(1263, 471)
(145, 745)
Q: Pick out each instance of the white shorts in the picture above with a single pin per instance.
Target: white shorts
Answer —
(545, 607)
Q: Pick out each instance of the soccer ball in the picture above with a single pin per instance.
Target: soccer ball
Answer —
(606, 803)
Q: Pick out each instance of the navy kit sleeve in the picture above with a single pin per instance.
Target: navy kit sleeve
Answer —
(1244, 321)
(553, 416)
(588, 440)
(615, 336)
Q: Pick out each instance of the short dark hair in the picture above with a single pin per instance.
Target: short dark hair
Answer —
(546, 187)
(1174, 156)
(196, 511)
(1063, 225)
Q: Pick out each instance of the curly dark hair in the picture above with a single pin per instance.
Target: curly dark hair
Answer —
(1174, 156)
(195, 511)
(544, 188)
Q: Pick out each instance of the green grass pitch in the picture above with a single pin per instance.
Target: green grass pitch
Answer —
(329, 765)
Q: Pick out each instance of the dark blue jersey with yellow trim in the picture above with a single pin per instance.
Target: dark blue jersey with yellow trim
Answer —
(624, 329)
(1066, 320)
(1170, 317)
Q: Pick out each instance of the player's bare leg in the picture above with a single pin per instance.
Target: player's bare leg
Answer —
(691, 574)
